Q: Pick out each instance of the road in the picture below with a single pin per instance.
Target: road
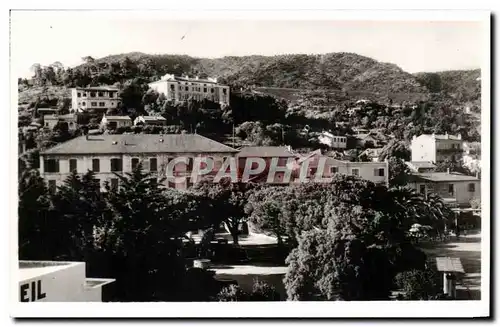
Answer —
(468, 249)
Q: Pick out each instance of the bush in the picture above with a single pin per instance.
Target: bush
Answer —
(417, 284)
(264, 292)
(232, 293)
(260, 292)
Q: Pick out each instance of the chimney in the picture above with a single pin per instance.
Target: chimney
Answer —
(447, 170)
(459, 136)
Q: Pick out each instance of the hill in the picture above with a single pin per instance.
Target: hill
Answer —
(463, 85)
(337, 71)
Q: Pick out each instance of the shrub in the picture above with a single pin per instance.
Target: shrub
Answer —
(264, 292)
(232, 293)
(417, 284)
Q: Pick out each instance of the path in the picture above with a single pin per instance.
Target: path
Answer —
(468, 249)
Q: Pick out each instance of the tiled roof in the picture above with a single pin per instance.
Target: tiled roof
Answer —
(57, 117)
(140, 143)
(443, 177)
(153, 118)
(265, 151)
(422, 164)
(98, 88)
(117, 117)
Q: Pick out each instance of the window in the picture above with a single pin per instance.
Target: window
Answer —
(472, 187)
(72, 165)
(224, 91)
(47, 124)
(187, 88)
(52, 186)
(135, 163)
(114, 183)
(111, 94)
(92, 94)
(355, 172)
(83, 104)
(205, 89)
(101, 94)
(422, 189)
(334, 170)
(93, 104)
(190, 164)
(450, 189)
(96, 165)
(102, 104)
(212, 90)
(172, 87)
(153, 165)
(84, 94)
(51, 166)
(79, 94)
(116, 164)
(378, 172)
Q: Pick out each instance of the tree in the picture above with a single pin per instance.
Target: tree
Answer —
(417, 284)
(334, 264)
(223, 203)
(35, 224)
(81, 207)
(399, 173)
(88, 60)
(144, 236)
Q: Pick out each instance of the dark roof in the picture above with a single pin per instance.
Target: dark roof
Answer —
(265, 151)
(443, 177)
(139, 143)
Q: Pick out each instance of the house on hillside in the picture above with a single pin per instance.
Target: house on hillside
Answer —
(183, 88)
(99, 99)
(436, 148)
(50, 121)
(114, 122)
(454, 188)
(150, 121)
(333, 141)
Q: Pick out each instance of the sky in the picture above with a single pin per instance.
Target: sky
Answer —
(415, 46)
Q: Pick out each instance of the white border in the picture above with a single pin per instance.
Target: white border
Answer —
(283, 309)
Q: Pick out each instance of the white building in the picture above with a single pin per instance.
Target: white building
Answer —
(57, 281)
(178, 88)
(99, 99)
(436, 148)
(150, 120)
(115, 121)
(333, 141)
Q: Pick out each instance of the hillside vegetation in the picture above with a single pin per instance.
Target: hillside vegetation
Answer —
(462, 85)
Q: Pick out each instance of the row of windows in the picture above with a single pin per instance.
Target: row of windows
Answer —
(93, 94)
(471, 187)
(354, 171)
(94, 104)
(116, 164)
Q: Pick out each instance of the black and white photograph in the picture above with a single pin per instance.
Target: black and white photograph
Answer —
(179, 161)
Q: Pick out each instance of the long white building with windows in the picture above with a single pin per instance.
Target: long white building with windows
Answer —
(177, 88)
(110, 154)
